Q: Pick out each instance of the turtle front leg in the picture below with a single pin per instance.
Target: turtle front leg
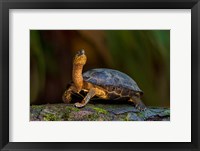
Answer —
(92, 92)
(87, 98)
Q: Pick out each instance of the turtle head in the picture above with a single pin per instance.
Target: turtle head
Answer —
(80, 58)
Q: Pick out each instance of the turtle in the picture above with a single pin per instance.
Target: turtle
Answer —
(104, 83)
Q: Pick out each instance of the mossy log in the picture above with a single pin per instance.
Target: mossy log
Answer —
(96, 112)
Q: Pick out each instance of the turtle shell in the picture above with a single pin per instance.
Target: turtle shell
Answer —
(108, 77)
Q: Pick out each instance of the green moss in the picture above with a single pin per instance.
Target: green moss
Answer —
(51, 117)
(37, 107)
(100, 110)
(65, 116)
(167, 112)
(92, 117)
(69, 109)
(75, 109)
(127, 117)
(67, 112)
(141, 115)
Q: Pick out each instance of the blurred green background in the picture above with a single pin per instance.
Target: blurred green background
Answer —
(142, 54)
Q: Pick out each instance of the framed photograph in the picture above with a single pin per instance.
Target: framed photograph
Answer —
(99, 75)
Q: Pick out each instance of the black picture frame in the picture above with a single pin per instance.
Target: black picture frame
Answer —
(5, 5)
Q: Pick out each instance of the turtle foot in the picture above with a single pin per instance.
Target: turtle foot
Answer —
(79, 105)
(140, 106)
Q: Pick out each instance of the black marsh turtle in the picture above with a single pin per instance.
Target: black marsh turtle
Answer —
(104, 83)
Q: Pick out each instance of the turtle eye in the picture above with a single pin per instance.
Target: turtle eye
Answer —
(80, 52)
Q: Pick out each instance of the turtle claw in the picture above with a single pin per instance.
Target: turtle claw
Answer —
(140, 106)
(79, 105)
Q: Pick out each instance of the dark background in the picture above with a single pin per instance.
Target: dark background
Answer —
(142, 54)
